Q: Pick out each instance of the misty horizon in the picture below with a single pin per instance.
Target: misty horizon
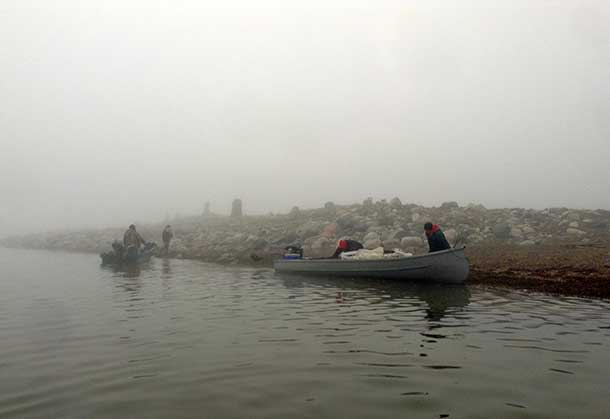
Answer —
(126, 111)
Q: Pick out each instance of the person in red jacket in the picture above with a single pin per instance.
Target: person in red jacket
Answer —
(347, 245)
(436, 238)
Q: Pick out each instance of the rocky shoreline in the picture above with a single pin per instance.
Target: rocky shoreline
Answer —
(534, 249)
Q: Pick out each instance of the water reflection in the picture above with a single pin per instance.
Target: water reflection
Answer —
(166, 268)
(440, 299)
(175, 338)
(126, 271)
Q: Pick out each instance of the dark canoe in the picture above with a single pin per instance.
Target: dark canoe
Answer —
(112, 259)
(446, 266)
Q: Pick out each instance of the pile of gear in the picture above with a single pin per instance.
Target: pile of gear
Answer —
(375, 254)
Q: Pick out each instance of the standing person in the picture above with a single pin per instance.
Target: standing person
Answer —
(167, 237)
(436, 238)
(132, 242)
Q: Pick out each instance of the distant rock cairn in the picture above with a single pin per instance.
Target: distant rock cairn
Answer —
(206, 209)
(236, 208)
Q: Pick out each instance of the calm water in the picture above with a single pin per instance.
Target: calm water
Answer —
(183, 339)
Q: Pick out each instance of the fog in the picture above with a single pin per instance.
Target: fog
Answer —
(121, 111)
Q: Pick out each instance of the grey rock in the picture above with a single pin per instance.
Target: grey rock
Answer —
(310, 229)
(259, 244)
(449, 205)
(321, 243)
(502, 230)
(528, 231)
(516, 233)
(396, 203)
(527, 243)
(346, 222)
(372, 244)
(575, 232)
(451, 235)
(474, 239)
(411, 241)
(372, 236)
(391, 244)
(330, 207)
(398, 234)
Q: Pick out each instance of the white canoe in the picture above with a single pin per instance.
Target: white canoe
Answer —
(450, 266)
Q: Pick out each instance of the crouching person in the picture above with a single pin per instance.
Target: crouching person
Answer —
(436, 238)
(347, 245)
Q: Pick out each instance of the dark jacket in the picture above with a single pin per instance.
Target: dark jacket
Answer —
(437, 240)
(132, 238)
(167, 235)
(348, 246)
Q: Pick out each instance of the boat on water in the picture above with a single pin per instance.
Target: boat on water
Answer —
(119, 256)
(450, 266)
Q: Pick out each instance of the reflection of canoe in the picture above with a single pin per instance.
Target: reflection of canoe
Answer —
(440, 298)
(445, 266)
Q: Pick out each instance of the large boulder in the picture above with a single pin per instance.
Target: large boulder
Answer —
(502, 230)
(449, 205)
(396, 203)
(346, 222)
(372, 244)
(398, 234)
(570, 216)
(516, 233)
(411, 241)
(391, 244)
(322, 247)
(330, 207)
(330, 230)
(371, 236)
(310, 229)
(528, 230)
(451, 235)
(474, 239)
(295, 212)
(259, 243)
(575, 232)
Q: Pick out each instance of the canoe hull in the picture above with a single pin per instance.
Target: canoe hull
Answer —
(450, 266)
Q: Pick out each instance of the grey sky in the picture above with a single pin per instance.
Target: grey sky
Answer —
(113, 111)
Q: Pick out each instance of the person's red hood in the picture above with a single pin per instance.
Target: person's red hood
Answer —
(435, 228)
